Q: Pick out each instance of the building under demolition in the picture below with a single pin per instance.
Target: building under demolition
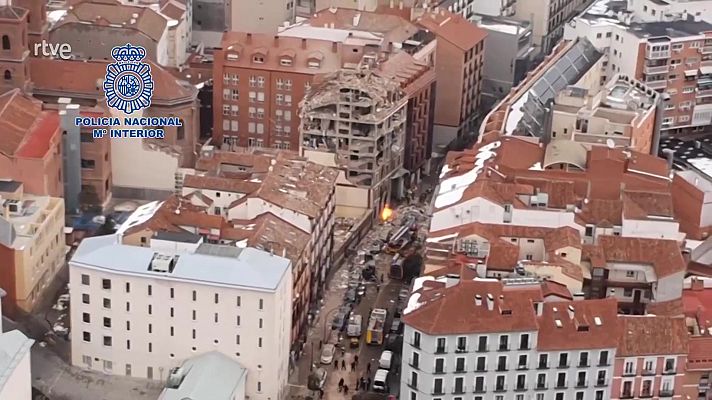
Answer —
(355, 120)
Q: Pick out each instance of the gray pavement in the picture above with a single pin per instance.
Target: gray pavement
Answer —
(60, 381)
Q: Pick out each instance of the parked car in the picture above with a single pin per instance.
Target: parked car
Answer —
(396, 326)
(340, 319)
(385, 360)
(321, 375)
(380, 381)
(394, 343)
(350, 296)
(327, 353)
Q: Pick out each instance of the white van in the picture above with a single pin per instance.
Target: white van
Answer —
(380, 381)
(385, 361)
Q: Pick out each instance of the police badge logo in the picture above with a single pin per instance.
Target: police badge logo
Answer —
(128, 84)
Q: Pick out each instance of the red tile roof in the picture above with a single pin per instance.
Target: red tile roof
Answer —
(453, 28)
(588, 326)
(651, 335)
(25, 130)
(664, 255)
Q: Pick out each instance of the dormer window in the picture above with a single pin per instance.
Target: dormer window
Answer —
(314, 63)
(258, 59)
(232, 56)
(285, 62)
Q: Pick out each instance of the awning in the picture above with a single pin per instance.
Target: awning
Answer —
(691, 72)
(706, 70)
(401, 172)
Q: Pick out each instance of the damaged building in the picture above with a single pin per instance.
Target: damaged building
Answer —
(355, 120)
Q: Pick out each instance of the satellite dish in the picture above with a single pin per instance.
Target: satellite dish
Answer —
(610, 143)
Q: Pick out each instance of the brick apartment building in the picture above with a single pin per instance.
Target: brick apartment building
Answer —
(459, 59)
(259, 81)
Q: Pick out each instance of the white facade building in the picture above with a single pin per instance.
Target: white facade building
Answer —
(15, 379)
(505, 343)
(139, 313)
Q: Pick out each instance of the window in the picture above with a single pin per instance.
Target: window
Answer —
(603, 358)
(438, 386)
(234, 110)
(107, 322)
(522, 363)
(86, 318)
(260, 81)
(259, 342)
(251, 127)
(260, 97)
(415, 360)
(414, 379)
(541, 381)
(85, 279)
(460, 364)
(260, 322)
(601, 378)
(86, 336)
(563, 360)
(194, 315)
(261, 306)
(288, 99)
(195, 296)
(107, 341)
(5, 42)
(128, 345)
(439, 365)
(239, 300)
(499, 383)
(462, 343)
(150, 309)
(128, 325)
(416, 339)
(150, 290)
(561, 380)
(128, 287)
(107, 303)
(479, 384)
(504, 342)
(440, 345)
(521, 382)
(581, 379)
(481, 364)
(106, 284)
(234, 94)
(583, 359)
(482, 343)
(628, 368)
(502, 363)
(669, 365)
(524, 341)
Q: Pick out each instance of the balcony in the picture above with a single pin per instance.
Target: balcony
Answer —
(656, 69)
(660, 84)
(459, 390)
(500, 388)
(706, 49)
(657, 55)
(440, 350)
(703, 92)
(648, 372)
(601, 382)
(480, 389)
(482, 349)
(541, 386)
(582, 384)
(542, 366)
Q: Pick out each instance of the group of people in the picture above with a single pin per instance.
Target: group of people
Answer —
(362, 383)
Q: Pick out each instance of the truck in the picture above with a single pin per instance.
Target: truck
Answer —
(354, 327)
(376, 324)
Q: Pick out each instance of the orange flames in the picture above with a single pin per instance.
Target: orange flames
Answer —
(386, 213)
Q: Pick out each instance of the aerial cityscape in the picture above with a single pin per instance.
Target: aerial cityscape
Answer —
(356, 199)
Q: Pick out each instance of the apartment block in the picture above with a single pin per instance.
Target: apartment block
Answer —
(650, 359)
(671, 56)
(506, 67)
(514, 344)
(142, 311)
(15, 365)
(31, 149)
(697, 301)
(31, 245)
(459, 57)
(130, 160)
(263, 79)
(621, 115)
(548, 18)
(355, 121)
(417, 80)
(692, 200)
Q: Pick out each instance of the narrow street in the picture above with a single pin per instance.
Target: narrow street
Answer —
(385, 297)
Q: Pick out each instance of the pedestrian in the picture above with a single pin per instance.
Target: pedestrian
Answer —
(368, 368)
(341, 383)
(343, 352)
(346, 389)
(356, 359)
(336, 364)
(378, 287)
(368, 382)
(363, 383)
(381, 278)
(353, 366)
(343, 365)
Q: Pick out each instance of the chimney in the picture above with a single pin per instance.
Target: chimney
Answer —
(571, 312)
(276, 41)
(697, 284)
(249, 38)
(304, 43)
(334, 47)
(390, 47)
(612, 293)
(478, 300)
(539, 308)
(490, 301)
